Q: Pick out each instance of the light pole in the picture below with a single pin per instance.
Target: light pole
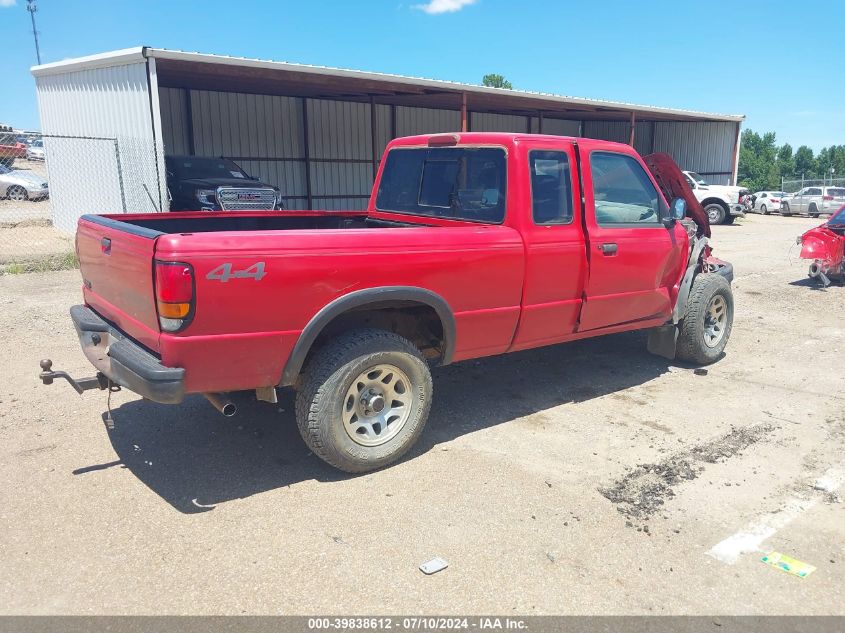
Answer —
(32, 8)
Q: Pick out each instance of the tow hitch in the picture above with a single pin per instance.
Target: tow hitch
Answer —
(99, 381)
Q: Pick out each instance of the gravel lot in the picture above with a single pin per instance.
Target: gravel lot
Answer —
(580, 479)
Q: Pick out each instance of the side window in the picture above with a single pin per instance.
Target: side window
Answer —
(551, 187)
(623, 192)
(762, 195)
(814, 192)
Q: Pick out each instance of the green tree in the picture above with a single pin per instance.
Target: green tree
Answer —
(758, 168)
(805, 162)
(496, 81)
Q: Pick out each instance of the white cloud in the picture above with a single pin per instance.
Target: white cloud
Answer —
(434, 7)
(7, 3)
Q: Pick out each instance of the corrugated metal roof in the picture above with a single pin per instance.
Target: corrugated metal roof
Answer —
(134, 54)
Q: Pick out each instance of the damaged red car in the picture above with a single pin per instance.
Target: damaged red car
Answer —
(825, 246)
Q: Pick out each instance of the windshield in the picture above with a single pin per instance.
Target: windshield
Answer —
(461, 183)
(698, 179)
(4, 169)
(190, 167)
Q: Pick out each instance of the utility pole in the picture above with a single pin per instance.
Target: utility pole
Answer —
(32, 8)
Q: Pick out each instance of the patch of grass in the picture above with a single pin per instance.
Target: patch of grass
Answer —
(62, 261)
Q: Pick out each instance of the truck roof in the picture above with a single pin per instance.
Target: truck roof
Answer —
(500, 138)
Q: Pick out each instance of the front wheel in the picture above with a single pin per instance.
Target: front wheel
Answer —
(715, 213)
(764, 210)
(707, 324)
(364, 400)
(17, 193)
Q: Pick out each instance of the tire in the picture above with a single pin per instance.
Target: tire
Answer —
(17, 193)
(695, 340)
(337, 382)
(813, 211)
(716, 213)
(729, 219)
(764, 210)
(784, 209)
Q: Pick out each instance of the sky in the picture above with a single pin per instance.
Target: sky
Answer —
(720, 56)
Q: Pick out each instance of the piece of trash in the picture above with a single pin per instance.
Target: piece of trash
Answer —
(824, 484)
(699, 371)
(788, 564)
(433, 566)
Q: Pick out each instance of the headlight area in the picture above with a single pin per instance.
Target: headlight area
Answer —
(208, 198)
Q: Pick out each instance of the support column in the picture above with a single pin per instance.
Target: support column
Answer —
(373, 135)
(540, 122)
(464, 126)
(307, 151)
(633, 129)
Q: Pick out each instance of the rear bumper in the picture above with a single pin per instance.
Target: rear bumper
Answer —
(737, 209)
(124, 361)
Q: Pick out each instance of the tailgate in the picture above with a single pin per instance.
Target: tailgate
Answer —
(116, 260)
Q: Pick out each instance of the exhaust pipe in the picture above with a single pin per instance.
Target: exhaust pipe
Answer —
(816, 272)
(221, 402)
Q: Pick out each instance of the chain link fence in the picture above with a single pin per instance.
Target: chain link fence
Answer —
(797, 184)
(48, 181)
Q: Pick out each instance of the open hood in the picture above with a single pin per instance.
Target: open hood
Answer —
(673, 184)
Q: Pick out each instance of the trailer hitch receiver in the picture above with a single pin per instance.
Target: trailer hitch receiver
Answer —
(47, 376)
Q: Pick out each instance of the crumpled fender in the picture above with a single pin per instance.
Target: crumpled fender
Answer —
(673, 184)
(822, 244)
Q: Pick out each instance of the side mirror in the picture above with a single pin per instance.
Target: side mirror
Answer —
(677, 211)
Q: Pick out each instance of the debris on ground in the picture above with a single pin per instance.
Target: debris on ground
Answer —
(700, 371)
(646, 488)
(788, 564)
(433, 566)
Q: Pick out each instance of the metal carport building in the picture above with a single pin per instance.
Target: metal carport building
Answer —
(315, 132)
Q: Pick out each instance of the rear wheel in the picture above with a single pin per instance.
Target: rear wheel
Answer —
(716, 213)
(707, 324)
(16, 192)
(364, 400)
(814, 211)
(764, 210)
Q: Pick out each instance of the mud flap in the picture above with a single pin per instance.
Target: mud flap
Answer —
(663, 340)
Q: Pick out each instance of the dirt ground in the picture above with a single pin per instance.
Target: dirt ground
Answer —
(579, 479)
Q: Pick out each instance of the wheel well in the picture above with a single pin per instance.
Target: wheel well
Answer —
(418, 322)
(721, 203)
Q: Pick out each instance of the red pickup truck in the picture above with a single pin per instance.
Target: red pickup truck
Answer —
(473, 244)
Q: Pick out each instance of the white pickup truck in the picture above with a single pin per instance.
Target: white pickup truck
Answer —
(723, 203)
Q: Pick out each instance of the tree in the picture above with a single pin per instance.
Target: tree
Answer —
(805, 163)
(496, 81)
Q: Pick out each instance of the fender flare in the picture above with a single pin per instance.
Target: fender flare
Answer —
(361, 298)
(686, 284)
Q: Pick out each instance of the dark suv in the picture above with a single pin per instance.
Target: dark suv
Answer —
(198, 183)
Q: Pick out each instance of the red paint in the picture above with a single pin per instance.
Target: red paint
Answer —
(511, 286)
(825, 245)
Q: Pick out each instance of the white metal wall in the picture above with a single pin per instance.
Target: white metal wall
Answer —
(704, 147)
(81, 112)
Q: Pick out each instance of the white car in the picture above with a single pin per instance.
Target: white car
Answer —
(767, 202)
(813, 201)
(22, 184)
(723, 203)
(35, 150)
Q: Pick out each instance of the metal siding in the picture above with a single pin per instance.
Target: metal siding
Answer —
(174, 120)
(339, 129)
(487, 122)
(412, 121)
(704, 147)
(383, 128)
(108, 102)
(617, 131)
(558, 127)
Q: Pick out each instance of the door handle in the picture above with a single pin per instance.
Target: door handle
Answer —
(609, 248)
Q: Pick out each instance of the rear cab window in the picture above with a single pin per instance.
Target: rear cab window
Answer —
(551, 187)
(458, 183)
(623, 193)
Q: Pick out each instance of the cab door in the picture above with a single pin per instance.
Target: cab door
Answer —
(634, 260)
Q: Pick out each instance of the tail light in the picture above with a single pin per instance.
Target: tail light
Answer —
(174, 287)
(827, 197)
(775, 200)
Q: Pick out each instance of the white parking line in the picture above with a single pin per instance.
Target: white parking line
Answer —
(752, 536)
